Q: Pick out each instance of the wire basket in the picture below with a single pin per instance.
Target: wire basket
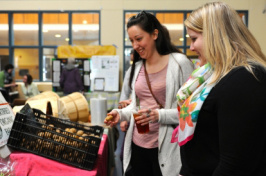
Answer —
(58, 139)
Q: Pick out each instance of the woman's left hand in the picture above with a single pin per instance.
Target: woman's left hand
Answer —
(123, 104)
(148, 116)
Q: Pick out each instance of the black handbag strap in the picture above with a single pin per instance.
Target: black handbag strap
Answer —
(149, 85)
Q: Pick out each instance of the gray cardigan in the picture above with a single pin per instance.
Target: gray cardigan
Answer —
(178, 71)
(126, 91)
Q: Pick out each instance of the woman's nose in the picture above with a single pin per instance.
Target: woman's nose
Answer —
(135, 45)
(192, 47)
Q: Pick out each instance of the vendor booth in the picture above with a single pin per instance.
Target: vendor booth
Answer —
(57, 134)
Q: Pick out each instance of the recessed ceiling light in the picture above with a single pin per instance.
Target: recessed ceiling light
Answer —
(67, 39)
(84, 21)
(181, 39)
(57, 35)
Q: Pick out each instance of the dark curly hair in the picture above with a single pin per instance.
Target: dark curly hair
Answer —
(9, 66)
(29, 79)
(148, 23)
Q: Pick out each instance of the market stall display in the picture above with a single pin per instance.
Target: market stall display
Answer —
(40, 102)
(74, 106)
(27, 164)
(54, 138)
(112, 98)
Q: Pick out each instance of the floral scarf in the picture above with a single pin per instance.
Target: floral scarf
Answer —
(190, 98)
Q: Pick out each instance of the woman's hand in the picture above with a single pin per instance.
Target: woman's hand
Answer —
(123, 104)
(11, 85)
(124, 126)
(112, 118)
(148, 116)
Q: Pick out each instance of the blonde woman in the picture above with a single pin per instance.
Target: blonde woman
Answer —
(222, 106)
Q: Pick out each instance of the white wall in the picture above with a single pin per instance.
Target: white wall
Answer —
(112, 14)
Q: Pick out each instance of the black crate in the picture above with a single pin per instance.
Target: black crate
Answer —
(47, 136)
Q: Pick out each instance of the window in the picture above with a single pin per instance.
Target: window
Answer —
(4, 29)
(55, 29)
(25, 29)
(4, 60)
(174, 23)
(29, 38)
(85, 28)
(26, 61)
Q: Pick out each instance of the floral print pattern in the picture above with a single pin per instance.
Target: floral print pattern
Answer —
(190, 99)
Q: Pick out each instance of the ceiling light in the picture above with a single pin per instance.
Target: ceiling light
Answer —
(174, 26)
(67, 39)
(187, 36)
(181, 39)
(57, 35)
(84, 22)
(20, 27)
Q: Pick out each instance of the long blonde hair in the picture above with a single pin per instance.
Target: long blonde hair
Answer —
(227, 41)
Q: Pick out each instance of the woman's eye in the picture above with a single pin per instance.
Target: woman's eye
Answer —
(193, 39)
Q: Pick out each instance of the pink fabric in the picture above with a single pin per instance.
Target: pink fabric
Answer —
(158, 84)
(33, 165)
(175, 135)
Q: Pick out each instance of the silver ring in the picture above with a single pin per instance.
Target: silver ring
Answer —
(149, 111)
(150, 121)
(148, 115)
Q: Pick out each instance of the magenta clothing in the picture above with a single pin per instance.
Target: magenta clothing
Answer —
(158, 84)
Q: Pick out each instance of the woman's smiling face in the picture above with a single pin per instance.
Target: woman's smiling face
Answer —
(197, 45)
(25, 78)
(142, 42)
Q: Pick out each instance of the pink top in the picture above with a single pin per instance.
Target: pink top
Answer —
(158, 85)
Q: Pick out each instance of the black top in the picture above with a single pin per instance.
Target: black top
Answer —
(230, 136)
(8, 80)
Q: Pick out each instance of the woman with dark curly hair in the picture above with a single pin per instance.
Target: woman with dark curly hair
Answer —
(158, 63)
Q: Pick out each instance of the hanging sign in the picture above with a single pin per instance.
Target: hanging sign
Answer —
(84, 51)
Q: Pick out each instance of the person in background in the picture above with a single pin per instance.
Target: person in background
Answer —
(29, 89)
(6, 81)
(70, 79)
(124, 101)
(167, 69)
(126, 90)
(222, 117)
